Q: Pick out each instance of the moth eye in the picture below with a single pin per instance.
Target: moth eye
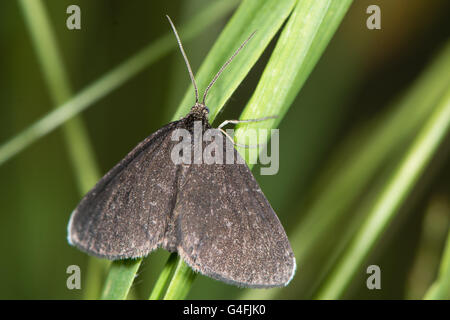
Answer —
(207, 109)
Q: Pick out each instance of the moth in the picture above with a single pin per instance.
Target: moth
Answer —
(214, 215)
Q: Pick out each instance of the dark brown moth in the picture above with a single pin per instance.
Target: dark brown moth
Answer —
(214, 215)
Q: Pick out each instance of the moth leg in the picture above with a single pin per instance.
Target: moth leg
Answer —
(235, 143)
(223, 124)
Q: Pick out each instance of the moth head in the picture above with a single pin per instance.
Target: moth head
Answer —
(200, 110)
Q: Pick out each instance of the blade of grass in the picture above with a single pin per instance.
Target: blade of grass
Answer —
(434, 233)
(56, 77)
(113, 79)
(181, 282)
(95, 276)
(393, 195)
(163, 279)
(120, 278)
(76, 137)
(328, 251)
(440, 289)
(265, 17)
(302, 42)
(305, 37)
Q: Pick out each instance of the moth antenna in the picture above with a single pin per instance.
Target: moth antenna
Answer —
(224, 66)
(185, 58)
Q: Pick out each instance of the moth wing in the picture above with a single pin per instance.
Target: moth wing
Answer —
(126, 213)
(228, 230)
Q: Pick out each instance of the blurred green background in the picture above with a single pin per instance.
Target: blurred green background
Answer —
(354, 89)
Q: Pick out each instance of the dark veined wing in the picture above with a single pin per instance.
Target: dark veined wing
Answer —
(125, 215)
(227, 229)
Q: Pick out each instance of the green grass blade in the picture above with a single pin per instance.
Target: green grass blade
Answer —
(55, 74)
(77, 141)
(95, 277)
(181, 282)
(164, 277)
(72, 106)
(440, 289)
(120, 278)
(390, 199)
(424, 272)
(300, 46)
